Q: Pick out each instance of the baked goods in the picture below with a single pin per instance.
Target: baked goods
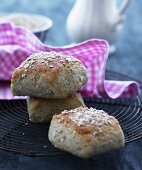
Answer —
(51, 80)
(42, 110)
(85, 132)
(48, 75)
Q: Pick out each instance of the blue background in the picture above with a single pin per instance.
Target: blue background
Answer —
(127, 59)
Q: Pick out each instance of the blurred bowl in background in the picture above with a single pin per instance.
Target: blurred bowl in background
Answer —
(38, 24)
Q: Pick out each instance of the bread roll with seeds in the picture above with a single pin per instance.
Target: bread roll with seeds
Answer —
(85, 132)
(42, 110)
(48, 75)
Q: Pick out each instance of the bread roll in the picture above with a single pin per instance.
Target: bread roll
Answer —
(42, 110)
(48, 75)
(85, 132)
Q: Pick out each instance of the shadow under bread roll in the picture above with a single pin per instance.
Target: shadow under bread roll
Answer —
(42, 110)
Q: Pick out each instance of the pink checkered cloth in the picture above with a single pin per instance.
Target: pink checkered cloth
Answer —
(17, 43)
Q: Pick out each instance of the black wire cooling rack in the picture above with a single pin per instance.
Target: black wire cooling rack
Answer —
(17, 134)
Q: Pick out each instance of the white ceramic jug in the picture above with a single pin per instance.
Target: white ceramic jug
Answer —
(96, 19)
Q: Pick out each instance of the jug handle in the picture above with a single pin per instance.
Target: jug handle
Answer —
(124, 6)
(121, 16)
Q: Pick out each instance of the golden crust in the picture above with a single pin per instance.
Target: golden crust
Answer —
(61, 74)
(42, 110)
(86, 137)
(49, 64)
(108, 125)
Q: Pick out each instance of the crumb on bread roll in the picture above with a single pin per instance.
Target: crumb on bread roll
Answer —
(48, 75)
(42, 110)
(85, 132)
